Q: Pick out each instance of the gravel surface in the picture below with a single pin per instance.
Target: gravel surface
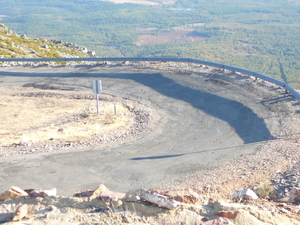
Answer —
(225, 125)
(140, 114)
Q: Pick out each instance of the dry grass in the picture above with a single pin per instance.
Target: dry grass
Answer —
(33, 116)
(265, 189)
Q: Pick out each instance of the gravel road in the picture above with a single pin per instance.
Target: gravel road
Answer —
(207, 118)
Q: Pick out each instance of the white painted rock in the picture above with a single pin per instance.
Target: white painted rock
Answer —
(51, 192)
(247, 194)
(159, 200)
(42, 193)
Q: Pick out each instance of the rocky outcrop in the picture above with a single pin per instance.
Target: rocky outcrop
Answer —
(105, 206)
(22, 46)
(76, 47)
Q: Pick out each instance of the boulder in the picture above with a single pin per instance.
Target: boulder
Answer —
(132, 198)
(42, 193)
(109, 196)
(143, 208)
(98, 191)
(218, 221)
(228, 215)
(116, 203)
(92, 53)
(225, 206)
(52, 208)
(37, 193)
(20, 213)
(159, 199)
(247, 194)
(89, 195)
(185, 196)
(84, 193)
(295, 195)
(13, 193)
(51, 192)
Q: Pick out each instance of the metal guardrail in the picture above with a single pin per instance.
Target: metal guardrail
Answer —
(161, 59)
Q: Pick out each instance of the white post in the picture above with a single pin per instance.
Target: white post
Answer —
(97, 104)
(97, 89)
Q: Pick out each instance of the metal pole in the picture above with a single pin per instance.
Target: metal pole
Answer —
(97, 104)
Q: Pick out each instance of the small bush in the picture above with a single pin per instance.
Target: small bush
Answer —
(265, 189)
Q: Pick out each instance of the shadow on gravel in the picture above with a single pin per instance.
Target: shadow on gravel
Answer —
(189, 153)
(158, 157)
(241, 118)
(279, 99)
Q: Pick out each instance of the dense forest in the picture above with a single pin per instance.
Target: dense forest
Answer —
(259, 35)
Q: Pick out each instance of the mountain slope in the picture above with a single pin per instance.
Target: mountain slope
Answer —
(15, 46)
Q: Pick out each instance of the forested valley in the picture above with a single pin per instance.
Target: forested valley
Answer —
(259, 35)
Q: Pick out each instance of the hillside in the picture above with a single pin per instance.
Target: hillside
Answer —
(261, 36)
(15, 46)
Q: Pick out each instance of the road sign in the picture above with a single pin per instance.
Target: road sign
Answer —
(97, 87)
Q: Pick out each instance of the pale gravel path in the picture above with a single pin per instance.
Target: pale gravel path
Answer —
(205, 121)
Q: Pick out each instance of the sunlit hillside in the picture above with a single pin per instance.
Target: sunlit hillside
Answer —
(258, 35)
(15, 46)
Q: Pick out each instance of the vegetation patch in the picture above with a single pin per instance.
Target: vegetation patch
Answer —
(35, 116)
(172, 36)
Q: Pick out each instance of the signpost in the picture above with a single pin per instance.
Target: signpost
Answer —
(97, 89)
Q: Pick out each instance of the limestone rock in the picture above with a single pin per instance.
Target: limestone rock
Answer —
(91, 53)
(180, 216)
(84, 193)
(132, 198)
(98, 191)
(37, 193)
(116, 203)
(13, 193)
(203, 210)
(139, 207)
(228, 215)
(185, 196)
(159, 200)
(51, 192)
(42, 193)
(295, 195)
(247, 194)
(20, 213)
(6, 212)
(112, 196)
(52, 208)
(225, 206)
(269, 217)
(90, 194)
(218, 221)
